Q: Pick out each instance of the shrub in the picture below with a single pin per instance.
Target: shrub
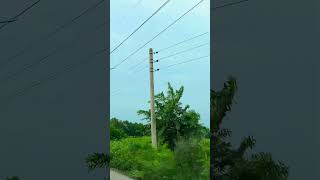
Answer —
(137, 158)
(117, 134)
(192, 159)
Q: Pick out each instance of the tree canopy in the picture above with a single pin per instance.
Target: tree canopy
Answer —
(173, 119)
(229, 163)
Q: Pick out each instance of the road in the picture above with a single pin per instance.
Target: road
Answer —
(117, 176)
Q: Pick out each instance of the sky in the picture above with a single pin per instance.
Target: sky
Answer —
(129, 82)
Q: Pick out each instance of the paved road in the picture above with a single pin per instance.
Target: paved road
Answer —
(117, 176)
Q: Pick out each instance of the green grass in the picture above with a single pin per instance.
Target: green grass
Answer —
(136, 158)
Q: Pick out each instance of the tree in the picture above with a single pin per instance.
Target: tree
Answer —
(129, 128)
(228, 163)
(117, 134)
(173, 119)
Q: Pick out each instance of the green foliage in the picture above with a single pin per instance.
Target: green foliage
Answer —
(204, 132)
(221, 102)
(261, 166)
(173, 119)
(122, 129)
(138, 159)
(97, 160)
(117, 134)
(229, 163)
(192, 159)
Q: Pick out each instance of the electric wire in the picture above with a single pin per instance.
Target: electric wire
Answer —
(180, 52)
(28, 66)
(73, 20)
(228, 4)
(43, 59)
(183, 62)
(94, 6)
(54, 76)
(7, 21)
(20, 14)
(163, 5)
(139, 63)
(133, 53)
(163, 49)
(139, 70)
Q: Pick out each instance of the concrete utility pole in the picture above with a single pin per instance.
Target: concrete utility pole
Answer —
(153, 119)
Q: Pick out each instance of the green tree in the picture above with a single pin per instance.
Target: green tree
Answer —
(173, 119)
(117, 134)
(129, 128)
(229, 163)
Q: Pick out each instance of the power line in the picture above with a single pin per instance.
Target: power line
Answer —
(73, 20)
(27, 67)
(54, 32)
(21, 13)
(139, 70)
(140, 26)
(157, 35)
(115, 92)
(228, 4)
(43, 59)
(7, 21)
(144, 60)
(54, 76)
(181, 52)
(140, 62)
(183, 62)
(182, 42)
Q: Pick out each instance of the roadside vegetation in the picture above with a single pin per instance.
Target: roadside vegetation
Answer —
(184, 145)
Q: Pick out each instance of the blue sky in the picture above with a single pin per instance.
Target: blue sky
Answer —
(130, 83)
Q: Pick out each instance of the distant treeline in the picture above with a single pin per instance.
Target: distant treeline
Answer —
(122, 129)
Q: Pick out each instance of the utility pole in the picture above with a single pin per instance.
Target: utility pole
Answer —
(153, 119)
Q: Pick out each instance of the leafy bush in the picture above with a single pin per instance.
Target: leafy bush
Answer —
(192, 158)
(117, 134)
(137, 158)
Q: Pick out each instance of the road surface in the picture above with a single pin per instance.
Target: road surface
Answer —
(114, 175)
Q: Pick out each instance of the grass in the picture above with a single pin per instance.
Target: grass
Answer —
(137, 159)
